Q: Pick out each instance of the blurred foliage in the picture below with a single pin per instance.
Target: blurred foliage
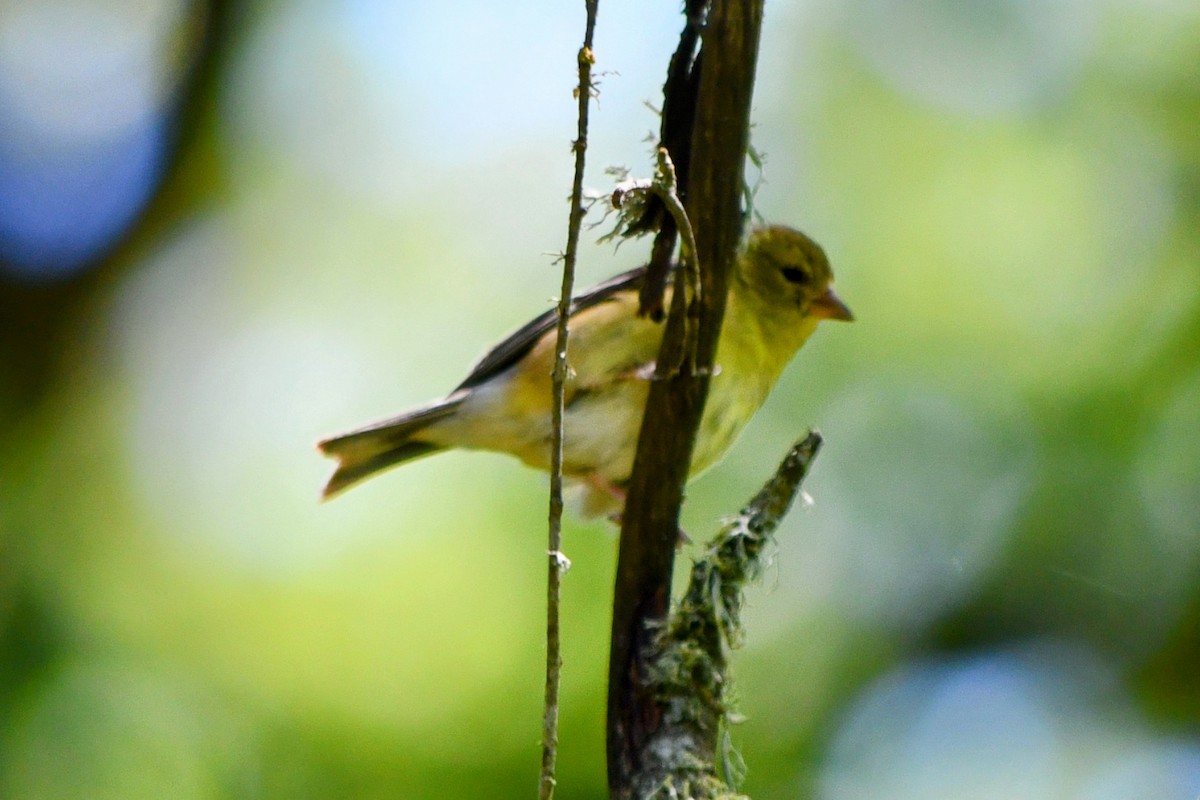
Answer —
(225, 233)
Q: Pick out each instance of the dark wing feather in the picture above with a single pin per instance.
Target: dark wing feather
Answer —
(517, 345)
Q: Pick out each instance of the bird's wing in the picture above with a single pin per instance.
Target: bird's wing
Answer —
(523, 340)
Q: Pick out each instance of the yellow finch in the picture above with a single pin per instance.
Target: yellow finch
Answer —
(779, 290)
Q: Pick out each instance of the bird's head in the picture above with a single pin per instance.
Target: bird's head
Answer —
(786, 269)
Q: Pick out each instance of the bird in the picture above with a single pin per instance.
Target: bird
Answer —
(781, 287)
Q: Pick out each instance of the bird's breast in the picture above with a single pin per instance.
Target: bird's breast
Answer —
(731, 403)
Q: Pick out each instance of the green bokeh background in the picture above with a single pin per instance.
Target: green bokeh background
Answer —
(993, 594)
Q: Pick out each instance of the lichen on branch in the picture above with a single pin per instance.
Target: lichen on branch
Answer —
(687, 666)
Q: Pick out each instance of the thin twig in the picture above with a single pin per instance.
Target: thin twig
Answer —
(557, 561)
(665, 186)
(631, 199)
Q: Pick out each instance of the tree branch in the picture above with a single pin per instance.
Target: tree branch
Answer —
(650, 526)
(687, 666)
(675, 135)
(557, 561)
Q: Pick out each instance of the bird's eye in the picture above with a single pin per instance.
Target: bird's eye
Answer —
(795, 275)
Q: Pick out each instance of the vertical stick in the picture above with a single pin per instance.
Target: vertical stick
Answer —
(557, 561)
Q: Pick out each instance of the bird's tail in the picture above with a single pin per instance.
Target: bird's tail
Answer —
(363, 452)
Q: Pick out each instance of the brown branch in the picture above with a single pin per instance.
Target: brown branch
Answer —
(651, 520)
(557, 561)
(675, 135)
(687, 668)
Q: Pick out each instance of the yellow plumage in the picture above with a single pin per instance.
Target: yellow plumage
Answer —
(780, 289)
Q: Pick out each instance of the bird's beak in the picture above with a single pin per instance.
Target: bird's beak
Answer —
(830, 306)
